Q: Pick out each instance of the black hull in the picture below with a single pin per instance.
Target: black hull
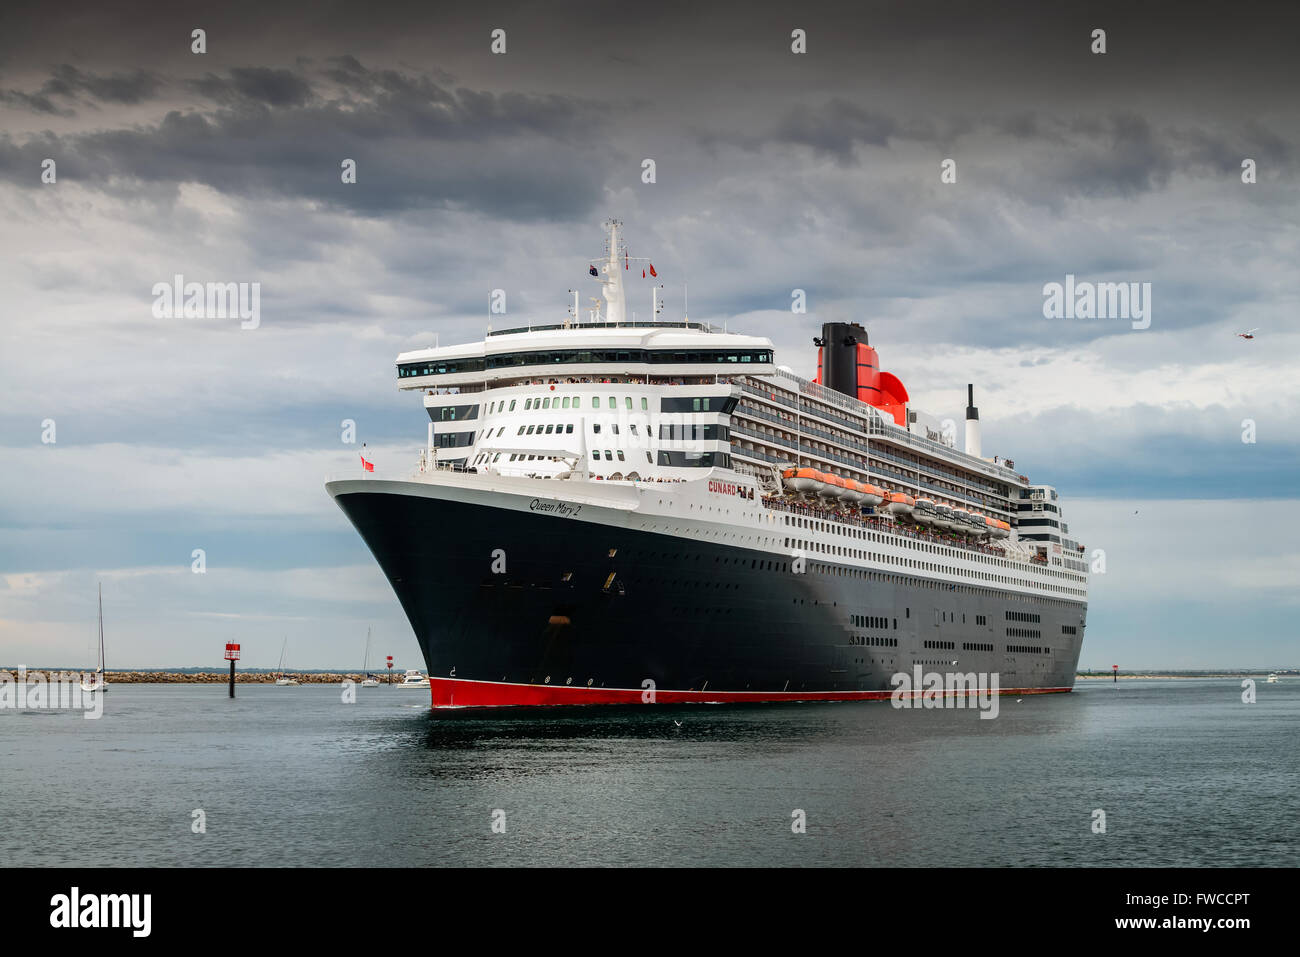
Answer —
(683, 613)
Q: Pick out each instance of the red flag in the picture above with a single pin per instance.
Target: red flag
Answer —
(368, 466)
(642, 273)
(627, 261)
(652, 270)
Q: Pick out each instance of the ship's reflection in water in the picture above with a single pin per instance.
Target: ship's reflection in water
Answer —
(297, 777)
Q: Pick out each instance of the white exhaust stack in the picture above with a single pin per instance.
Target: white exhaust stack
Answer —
(972, 424)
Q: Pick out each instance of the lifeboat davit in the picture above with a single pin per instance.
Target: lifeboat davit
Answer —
(802, 480)
(923, 511)
(870, 494)
(899, 505)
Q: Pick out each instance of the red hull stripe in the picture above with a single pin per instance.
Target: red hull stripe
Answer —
(463, 693)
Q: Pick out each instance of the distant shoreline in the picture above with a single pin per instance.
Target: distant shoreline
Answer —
(1208, 674)
(208, 677)
(338, 677)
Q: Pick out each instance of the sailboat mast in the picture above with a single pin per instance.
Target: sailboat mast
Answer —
(101, 627)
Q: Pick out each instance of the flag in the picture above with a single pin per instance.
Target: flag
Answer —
(652, 270)
(627, 261)
(642, 273)
(592, 270)
(368, 466)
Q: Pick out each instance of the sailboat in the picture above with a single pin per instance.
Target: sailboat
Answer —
(369, 681)
(100, 683)
(281, 679)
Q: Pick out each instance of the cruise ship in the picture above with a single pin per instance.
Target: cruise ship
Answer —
(608, 510)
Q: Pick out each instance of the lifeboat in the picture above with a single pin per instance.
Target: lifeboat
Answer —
(899, 505)
(923, 511)
(997, 528)
(870, 494)
(801, 480)
(854, 492)
(960, 520)
(943, 517)
(832, 486)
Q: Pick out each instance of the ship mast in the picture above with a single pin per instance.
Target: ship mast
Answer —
(615, 302)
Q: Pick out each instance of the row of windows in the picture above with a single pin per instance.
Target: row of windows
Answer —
(873, 642)
(698, 403)
(852, 531)
(453, 413)
(453, 440)
(871, 621)
(981, 620)
(561, 428)
(1027, 650)
(1069, 630)
(512, 360)
(560, 402)
(942, 645)
(1024, 633)
(706, 432)
(1023, 616)
(695, 460)
(976, 646)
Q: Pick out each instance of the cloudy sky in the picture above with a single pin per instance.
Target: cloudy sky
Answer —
(774, 171)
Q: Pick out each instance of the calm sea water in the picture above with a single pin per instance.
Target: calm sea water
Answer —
(1186, 773)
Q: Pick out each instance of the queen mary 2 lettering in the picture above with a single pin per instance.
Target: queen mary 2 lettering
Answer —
(605, 506)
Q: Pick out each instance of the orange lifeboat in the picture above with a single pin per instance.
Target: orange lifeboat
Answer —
(801, 480)
(832, 486)
(899, 505)
(870, 494)
(854, 492)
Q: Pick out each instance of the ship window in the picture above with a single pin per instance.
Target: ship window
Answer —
(528, 404)
(645, 404)
(521, 431)
(546, 403)
(633, 428)
(649, 459)
(595, 454)
(530, 429)
(550, 429)
(615, 428)
(627, 402)
(609, 456)
(577, 402)
(620, 456)
(613, 402)
(595, 428)
(595, 402)
(568, 429)
(565, 403)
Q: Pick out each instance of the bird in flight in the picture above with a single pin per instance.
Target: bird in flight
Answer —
(1248, 334)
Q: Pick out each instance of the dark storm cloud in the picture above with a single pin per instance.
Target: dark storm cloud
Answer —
(417, 144)
(73, 85)
(256, 84)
